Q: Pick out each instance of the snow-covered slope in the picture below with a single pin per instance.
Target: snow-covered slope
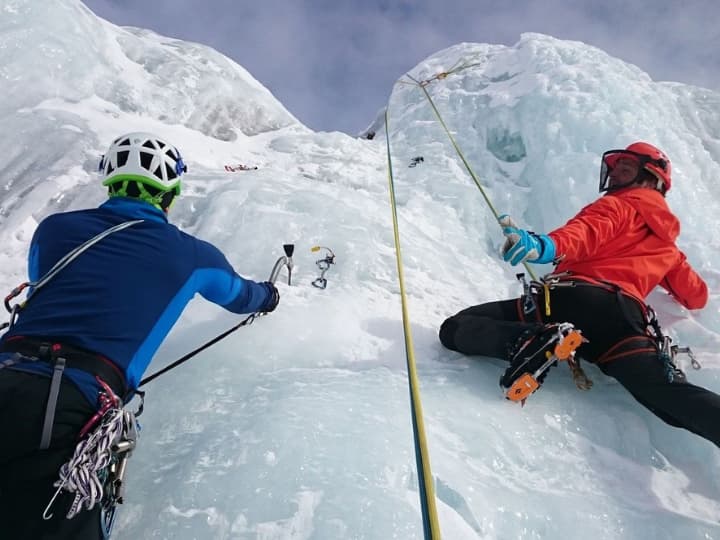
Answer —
(299, 425)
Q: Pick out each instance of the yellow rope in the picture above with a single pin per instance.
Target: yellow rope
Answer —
(427, 499)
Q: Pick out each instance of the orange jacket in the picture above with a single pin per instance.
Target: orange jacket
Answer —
(628, 238)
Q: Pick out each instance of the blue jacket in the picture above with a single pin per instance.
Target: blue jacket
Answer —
(121, 297)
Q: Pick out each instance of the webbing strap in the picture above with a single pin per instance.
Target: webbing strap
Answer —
(58, 369)
(71, 256)
(14, 359)
(58, 266)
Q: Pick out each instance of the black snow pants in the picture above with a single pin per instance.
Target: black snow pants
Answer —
(27, 474)
(614, 325)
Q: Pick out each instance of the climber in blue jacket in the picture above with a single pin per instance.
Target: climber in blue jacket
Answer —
(105, 313)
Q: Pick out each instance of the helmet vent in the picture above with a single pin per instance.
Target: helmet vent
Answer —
(145, 160)
(158, 172)
(170, 172)
(148, 144)
(133, 190)
(122, 157)
(124, 142)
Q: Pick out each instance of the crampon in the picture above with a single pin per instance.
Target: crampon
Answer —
(534, 355)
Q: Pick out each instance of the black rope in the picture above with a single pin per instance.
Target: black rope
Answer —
(282, 261)
(201, 348)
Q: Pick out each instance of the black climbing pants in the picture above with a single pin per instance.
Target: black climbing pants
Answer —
(27, 474)
(614, 325)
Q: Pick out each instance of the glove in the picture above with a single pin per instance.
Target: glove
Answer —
(521, 245)
(273, 298)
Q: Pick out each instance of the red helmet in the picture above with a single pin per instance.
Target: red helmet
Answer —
(646, 156)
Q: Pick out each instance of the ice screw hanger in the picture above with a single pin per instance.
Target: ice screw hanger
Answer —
(323, 265)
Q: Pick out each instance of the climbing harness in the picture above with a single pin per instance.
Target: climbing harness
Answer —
(324, 265)
(95, 472)
(650, 338)
(60, 356)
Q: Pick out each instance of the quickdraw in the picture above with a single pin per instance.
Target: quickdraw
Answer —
(96, 471)
(668, 351)
(324, 265)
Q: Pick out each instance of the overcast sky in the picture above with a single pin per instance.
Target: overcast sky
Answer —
(333, 63)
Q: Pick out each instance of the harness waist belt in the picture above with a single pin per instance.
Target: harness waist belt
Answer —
(49, 350)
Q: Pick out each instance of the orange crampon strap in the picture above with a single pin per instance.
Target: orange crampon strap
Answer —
(566, 347)
(521, 389)
(528, 383)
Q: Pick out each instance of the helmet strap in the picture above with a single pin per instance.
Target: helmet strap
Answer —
(162, 200)
(658, 183)
(166, 200)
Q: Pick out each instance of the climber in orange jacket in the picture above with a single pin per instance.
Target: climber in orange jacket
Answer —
(628, 238)
(608, 258)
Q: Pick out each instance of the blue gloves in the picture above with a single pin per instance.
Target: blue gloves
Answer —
(273, 298)
(521, 245)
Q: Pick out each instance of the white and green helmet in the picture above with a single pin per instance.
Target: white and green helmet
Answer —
(144, 166)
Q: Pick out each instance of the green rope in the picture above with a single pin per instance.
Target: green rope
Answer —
(425, 479)
(422, 85)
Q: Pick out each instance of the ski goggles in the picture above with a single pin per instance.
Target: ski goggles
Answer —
(621, 168)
